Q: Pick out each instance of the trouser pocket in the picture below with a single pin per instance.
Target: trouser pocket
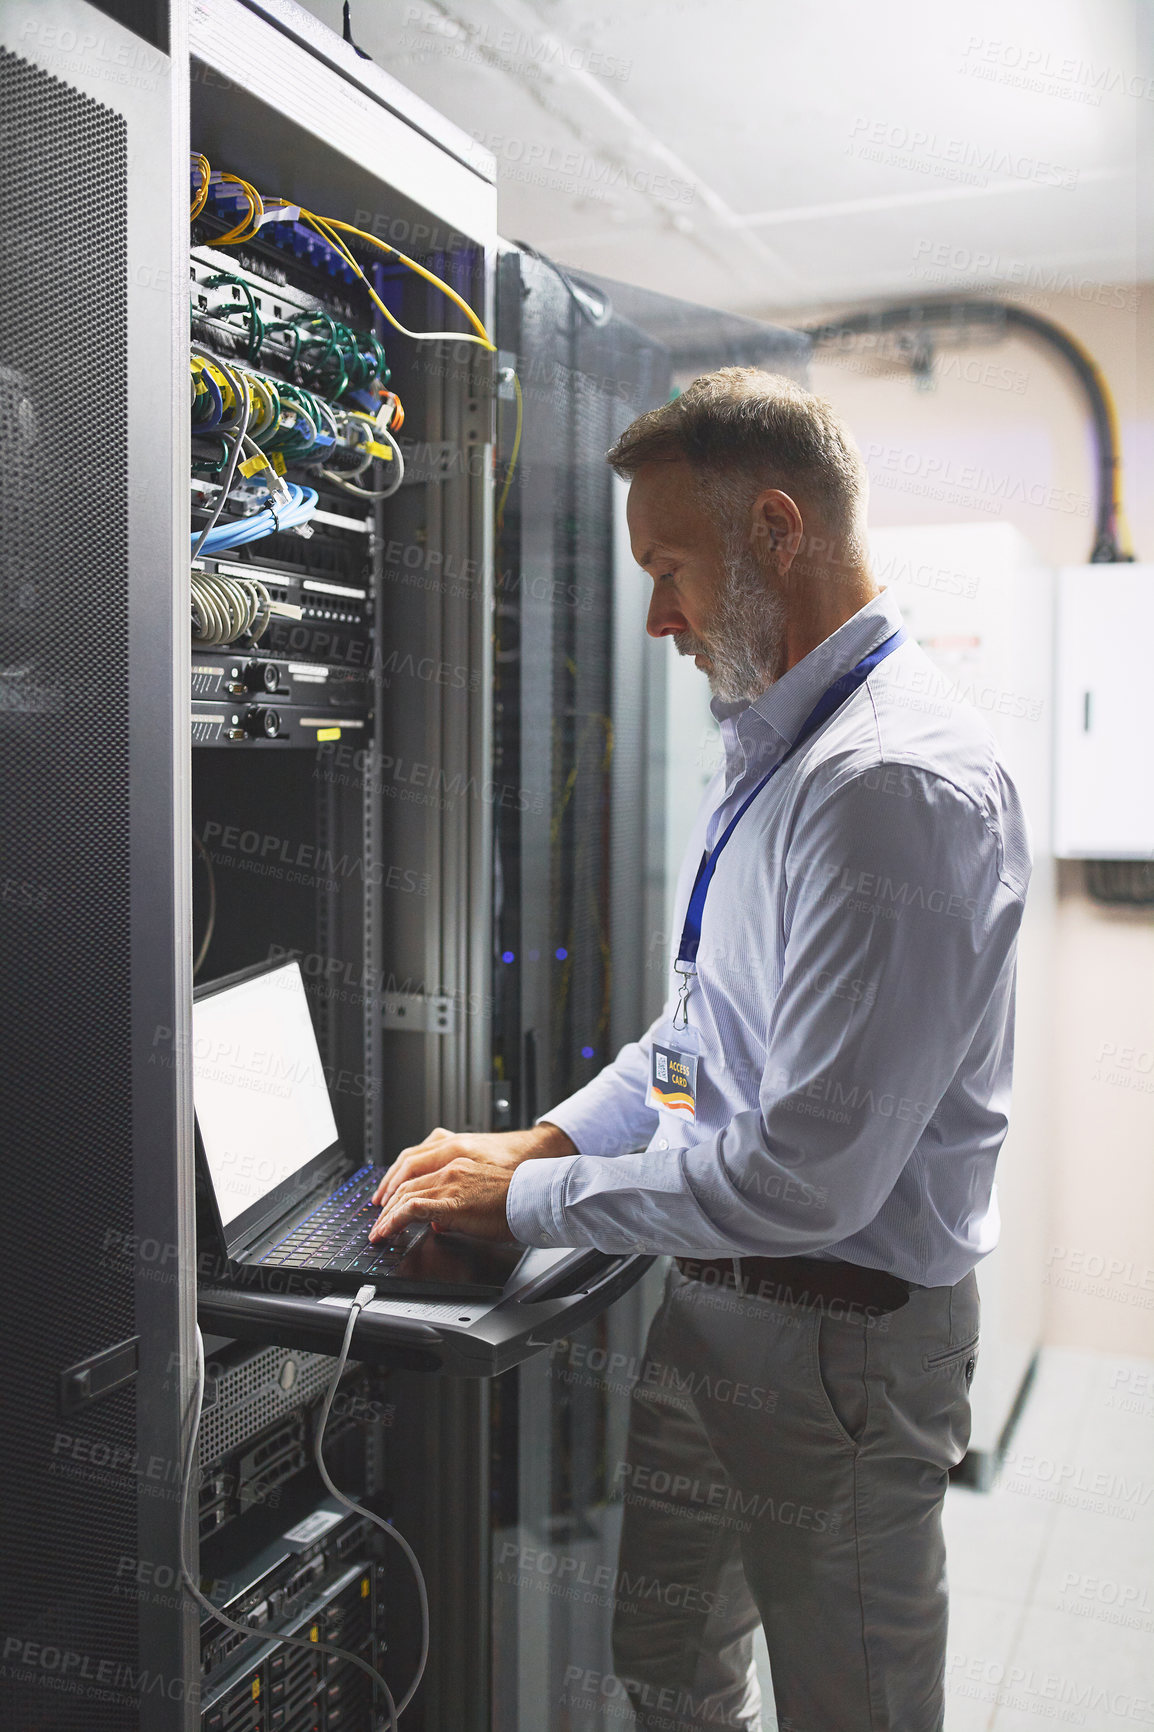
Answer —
(962, 1359)
(839, 1358)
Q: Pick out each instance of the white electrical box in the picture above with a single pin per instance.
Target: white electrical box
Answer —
(1104, 742)
(978, 601)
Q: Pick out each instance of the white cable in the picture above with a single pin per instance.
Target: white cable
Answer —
(362, 1298)
(397, 466)
(357, 433)
(262, 1630)
(225, 609)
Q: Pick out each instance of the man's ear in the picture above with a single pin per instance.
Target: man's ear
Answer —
(776, 524)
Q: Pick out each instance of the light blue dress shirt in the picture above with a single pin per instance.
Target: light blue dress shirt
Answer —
(854, 1001)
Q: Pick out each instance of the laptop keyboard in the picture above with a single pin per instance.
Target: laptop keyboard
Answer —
(336, 1234)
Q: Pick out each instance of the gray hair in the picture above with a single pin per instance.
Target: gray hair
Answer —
(743, 430)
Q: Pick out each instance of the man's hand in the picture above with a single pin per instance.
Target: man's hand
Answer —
(460, 1181)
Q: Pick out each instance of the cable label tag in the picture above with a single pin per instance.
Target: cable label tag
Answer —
(277, 462)
(376, 449)
(252, 465)
(281, 213)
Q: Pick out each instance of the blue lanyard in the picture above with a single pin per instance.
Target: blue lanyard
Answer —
(831, 699)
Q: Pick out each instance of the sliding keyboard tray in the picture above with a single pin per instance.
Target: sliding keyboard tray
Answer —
(549, 1295)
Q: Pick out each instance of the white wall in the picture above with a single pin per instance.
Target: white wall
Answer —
(1004, 437)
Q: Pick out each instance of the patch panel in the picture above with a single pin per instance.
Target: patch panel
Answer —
(284, 381)
(287, 318)
(335, 624)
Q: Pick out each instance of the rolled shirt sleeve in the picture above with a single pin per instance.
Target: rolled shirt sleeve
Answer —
(901, 919)
(609, 1115)
(604, 1119)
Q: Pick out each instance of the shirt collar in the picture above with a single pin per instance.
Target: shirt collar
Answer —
(783, 707)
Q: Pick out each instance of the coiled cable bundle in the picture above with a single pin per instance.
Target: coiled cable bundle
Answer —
(225, 609)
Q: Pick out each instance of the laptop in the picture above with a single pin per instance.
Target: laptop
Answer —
(286, 1206)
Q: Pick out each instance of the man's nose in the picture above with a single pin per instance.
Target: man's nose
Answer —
(665, 617)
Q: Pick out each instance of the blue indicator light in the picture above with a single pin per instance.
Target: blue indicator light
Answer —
(507, 956)
(586, 1052)
(560, 955)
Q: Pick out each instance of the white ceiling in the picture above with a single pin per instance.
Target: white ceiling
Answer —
(762, 157)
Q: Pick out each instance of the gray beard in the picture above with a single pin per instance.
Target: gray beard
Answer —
(745, 644)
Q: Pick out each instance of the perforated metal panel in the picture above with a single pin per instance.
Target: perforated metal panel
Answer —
(70, 1485)
(247, 1397)
(555, 733)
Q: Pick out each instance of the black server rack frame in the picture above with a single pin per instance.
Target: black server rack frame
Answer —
(93, 861)
(368, 807)
(580, 720)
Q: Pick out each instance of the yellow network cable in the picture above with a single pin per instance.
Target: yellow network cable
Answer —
(266, 407)
(247, 227)
(516, 448)
(200, 162)
(325, 227)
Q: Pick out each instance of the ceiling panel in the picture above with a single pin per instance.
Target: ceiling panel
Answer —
(758, 156)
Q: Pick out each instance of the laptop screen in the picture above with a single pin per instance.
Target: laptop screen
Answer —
(262, 1103)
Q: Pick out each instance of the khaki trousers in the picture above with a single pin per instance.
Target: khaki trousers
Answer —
(787, 1465)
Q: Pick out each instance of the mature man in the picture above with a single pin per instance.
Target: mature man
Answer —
(820, 1105)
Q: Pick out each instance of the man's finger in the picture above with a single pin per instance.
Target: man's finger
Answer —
(394, 1176)
(414, 1207)
(409, 1187)
(435, 1136)
(414, 1162)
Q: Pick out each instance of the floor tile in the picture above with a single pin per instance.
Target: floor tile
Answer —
(1078, 1672)
(982, 1631)
(994, 1543)
(1083, 1547)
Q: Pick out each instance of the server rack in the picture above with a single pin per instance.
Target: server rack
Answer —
(577, 690)
(402, 859)
(96, 965)
(390, 922)
(579, 941)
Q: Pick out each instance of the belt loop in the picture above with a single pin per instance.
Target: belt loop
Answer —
(738, 1278)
